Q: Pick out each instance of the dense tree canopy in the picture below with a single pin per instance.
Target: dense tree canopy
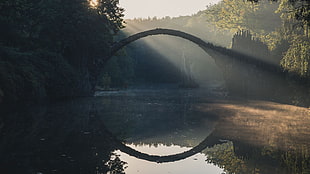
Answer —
(46, 35)
(282, 25)
(298, 9)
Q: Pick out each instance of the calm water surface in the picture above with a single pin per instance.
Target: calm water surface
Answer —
(156, 131)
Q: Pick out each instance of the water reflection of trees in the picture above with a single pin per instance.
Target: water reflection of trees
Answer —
(236, 157)
(266, 137)
(64, 138)
(71, 137)
(115, 165)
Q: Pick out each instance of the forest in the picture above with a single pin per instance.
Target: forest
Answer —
(54, 49)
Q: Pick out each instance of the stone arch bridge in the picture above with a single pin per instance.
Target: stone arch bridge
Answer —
(216, 52)
(221, 56)
(244, 74)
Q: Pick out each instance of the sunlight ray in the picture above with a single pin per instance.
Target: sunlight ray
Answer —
(93, 3)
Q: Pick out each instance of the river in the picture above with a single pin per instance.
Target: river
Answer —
(156, 130)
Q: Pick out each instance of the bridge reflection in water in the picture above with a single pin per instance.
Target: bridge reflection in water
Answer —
(77, 136)
(194, 164)
(207, 142)
(263, 136)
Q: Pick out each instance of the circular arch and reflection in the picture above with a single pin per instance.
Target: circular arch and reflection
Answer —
(214, 52)
(208, 141)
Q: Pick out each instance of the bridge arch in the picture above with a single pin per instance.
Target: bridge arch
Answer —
(207, 47)
(218, 53)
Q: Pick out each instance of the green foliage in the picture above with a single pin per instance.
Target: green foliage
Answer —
(223, 155)
(33, 75)
(247, 159)
(54, 48)
(259, 18)
(294, 9)
(297, 58)
(283, 26)
(297, 161)
(236, 15)
(115, 165)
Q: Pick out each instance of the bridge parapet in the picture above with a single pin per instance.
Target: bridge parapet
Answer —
(159, 31)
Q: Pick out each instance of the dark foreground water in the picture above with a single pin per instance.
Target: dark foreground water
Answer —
(156, 131)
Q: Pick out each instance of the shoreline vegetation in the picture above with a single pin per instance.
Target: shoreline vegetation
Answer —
(53, 51)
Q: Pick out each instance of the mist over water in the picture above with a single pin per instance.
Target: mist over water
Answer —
(130, 130)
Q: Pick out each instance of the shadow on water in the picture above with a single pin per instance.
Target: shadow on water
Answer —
(81, 136)
(63, 138)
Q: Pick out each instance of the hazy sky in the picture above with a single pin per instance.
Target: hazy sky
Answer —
(161, 8)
